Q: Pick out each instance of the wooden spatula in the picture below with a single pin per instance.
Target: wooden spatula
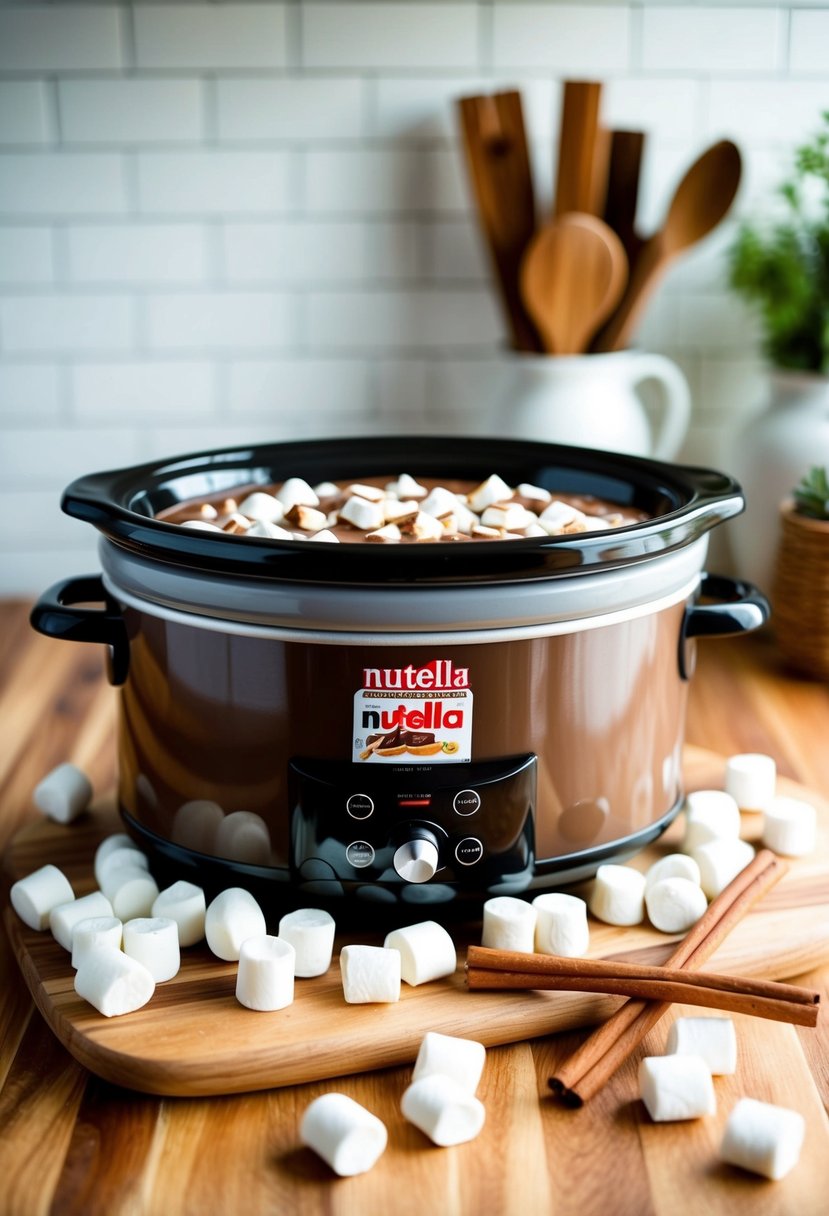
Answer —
(624, 169)
(499, 171)
(572, 277)
(580, 150)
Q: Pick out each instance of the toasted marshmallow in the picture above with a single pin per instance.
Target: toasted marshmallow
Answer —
(535, 529)
(560, 517)
(509, 515)
(406, 487)
(236, 523)
(397, 512)
(370, 493)
(296, 492)
(271, 531)
(361, 513)
(494, 489)
(439, 501)
(485, 533)
(306, 518)
(536, 493)
(425, 527)
(389, 533)
(262, 507)
(466, 519)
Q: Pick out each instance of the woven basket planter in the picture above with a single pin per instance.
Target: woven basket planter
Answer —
(800, 592)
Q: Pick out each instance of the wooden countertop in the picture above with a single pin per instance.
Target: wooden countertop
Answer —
(71, 1143)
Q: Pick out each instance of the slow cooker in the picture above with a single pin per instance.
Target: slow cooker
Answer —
(251, 672)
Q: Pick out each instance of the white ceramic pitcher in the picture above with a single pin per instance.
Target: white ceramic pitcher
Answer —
(593, 401)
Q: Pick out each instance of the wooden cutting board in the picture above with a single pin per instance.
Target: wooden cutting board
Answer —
(193, 1038)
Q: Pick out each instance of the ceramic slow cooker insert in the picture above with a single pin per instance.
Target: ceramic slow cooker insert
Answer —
(531, 694)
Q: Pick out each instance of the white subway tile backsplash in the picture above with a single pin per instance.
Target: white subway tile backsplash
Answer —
(24, 112)
(297, 387)
(295, 109)
(389, 35)
(138, 253)
(130, 111)
(711, 40)
(49, 458)
(29, 573)
(66, 324)
(221, 321)
(664, 108)
(471, 396)
(29, 390)
(385, 320)
(572, 39)
(214, 182)
(57, 183)
(454, 250)
(26, 255)
(210, 35)
(60, 37)
(809, 39)
(141, 393)
(335, 251)
(422, 108)
(401, 393)
(385, 181)
(790, 111)
(36, 521)
(716, 321)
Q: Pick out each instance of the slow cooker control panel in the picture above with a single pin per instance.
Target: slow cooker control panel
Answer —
(395, 825)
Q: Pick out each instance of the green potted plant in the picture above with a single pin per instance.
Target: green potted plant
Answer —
(778, 264)
(800, 590)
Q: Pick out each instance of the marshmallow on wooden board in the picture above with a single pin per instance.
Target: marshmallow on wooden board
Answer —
(64, 917)
(618, 895)
(311, 933)
(243, 836)
(709, 815)
(113, 982)
(509, 924)
(131, 890)
(63, 793)
(153, 941)
(34, 896)
(763, 1138)
(120, 859)
(265, 979)
(370, 975)
(712, 1038)
(95, 933)
(231, 918)
(296, 492)
(450, 1056)
(676, 1087)
(443, 1110)
(348, 1137)
(427, 952)
(561, 926)
(790, 827)
(674, 865)
(675, 904)
(751, 780)
(195, 825)
(262, 507)
(108, 846)
(184, 903)
(719, 861)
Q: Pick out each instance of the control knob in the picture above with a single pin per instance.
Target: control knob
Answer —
(416, 860)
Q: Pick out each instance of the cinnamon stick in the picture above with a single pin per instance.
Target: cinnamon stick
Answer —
(592, 1065)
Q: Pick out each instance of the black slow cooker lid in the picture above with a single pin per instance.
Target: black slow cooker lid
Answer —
(683, 504)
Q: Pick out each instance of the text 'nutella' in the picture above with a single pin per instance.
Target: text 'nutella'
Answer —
(413, 713)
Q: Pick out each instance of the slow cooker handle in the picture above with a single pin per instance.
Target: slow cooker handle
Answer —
(56, 616)
(740, 608)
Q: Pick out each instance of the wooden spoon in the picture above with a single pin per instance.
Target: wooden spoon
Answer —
(700, 201)
(572, 277)
(624, 170)
(580, 149)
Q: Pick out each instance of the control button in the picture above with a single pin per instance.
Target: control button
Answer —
(360, 854)
(467, 802)
(416, 860)
(469, 850)
(359, 806)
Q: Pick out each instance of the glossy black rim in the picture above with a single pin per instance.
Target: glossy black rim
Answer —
(684, 503)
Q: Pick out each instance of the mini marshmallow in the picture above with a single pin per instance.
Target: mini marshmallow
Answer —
(262, 507)
(675, 865)
(95, 933)
(348, 1137)
(719, 861)
(449, 1056)
(63, 793)
(675, 904)
(265, 979)
(425, 527)
(509, 924)
(751, 780)
(236, 524)
(388, 534)
(561, 927)
(195, 825)
(510, 515)
(244, 836)
(64, 917)
(326, 489)
(439, 501)
(311, 933)
(370, 974)
(201, 525)
(296, 492)
(618, 896)
(363, 514)
(325, 535)
(427, 952)
(231, 918)
(184, 903)
(535, 493)
(370, 493)
(131, 892)
(443, 1110)
(34, 896)
(465, 520)
(271, 531)
(712, 1038)
(485, 533)
(709, 815)
(763, 1138)
(120, 859)
(406, 487)
(535, 529)
(119, 840)
(676, 1087)
(113, 982)
(397, 512)
(560, 515)
(153, 941)
(308, 519)
(790, 827)
(494, 489)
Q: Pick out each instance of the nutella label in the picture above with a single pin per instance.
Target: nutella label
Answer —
(405, 714)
